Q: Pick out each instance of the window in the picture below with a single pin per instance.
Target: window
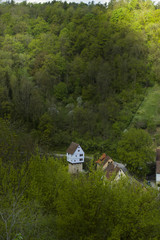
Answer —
(81, 159)
(78, 150)
(81, 155)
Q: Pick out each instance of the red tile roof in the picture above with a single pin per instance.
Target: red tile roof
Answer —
(103, 159)
(103, 156)
(72, 148)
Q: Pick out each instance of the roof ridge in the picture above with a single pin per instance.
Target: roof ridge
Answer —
(72, 148)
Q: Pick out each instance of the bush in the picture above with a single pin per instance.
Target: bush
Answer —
(140, 123)
(135, 150)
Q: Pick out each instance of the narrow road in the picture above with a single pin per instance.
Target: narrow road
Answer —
(64, 155)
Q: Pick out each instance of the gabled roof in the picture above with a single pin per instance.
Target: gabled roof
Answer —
(121, 166)
(158, 154)
(158, 167)
(103, 159)
(72, 148)
(111, 168)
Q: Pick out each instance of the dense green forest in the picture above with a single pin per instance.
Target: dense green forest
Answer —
(41, 200)
(77, 72)
(87, 73)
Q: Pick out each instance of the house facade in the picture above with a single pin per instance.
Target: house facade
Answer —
(111, 168)
(103, 161)
(75, 158)
(158, 166)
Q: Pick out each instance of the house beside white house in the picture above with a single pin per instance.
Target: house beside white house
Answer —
(158, 166)
(103, 161)
(111, 168)
(75, 158)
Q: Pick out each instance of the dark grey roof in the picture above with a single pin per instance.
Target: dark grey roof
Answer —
(122, 166)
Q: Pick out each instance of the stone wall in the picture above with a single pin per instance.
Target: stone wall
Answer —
(75, 168)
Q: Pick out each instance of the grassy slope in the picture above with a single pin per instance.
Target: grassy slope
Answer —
(148, 114)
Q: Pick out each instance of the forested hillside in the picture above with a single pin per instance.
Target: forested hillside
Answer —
(87, 73)
(77, 72)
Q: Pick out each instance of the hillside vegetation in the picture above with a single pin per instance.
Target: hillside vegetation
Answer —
(41, 200)
(77, 72)
(87, 73)
(148, 114)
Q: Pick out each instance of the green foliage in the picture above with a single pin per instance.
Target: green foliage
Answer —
(14, 208)
(148, 112)
(60, 91)
(16, 146)
(105, 212)
(135, 150)
(47, 176)
(46, 128)
(42, 200)
(53, 54)
(18, 237)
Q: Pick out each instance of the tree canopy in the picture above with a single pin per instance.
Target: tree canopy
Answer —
(85, 66)
(135, 150)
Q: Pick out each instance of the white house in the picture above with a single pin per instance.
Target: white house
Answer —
(75, 157)
(158, 166)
